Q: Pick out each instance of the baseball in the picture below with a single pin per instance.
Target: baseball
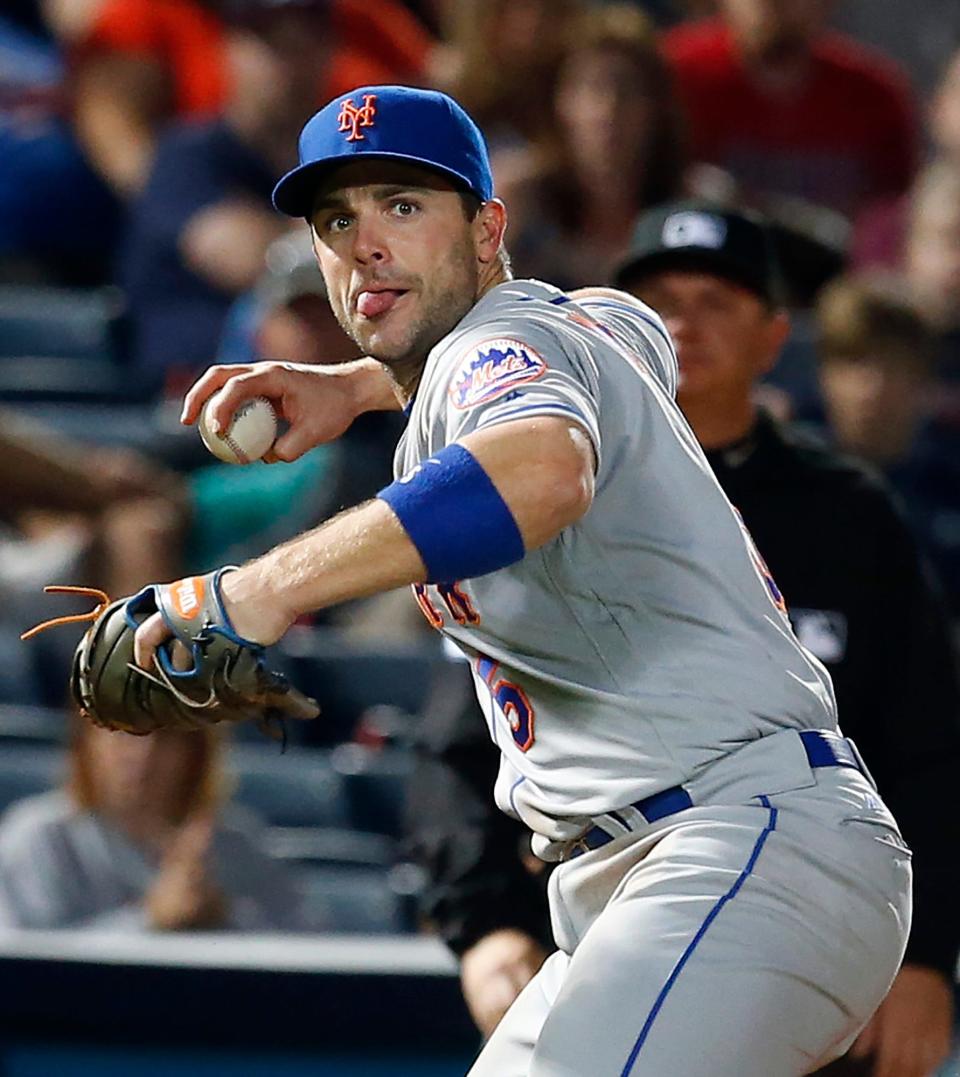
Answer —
(250, 434)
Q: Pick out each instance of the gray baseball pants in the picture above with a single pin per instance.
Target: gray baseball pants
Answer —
(751, 935)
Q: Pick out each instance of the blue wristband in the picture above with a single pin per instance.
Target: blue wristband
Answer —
(454, 516)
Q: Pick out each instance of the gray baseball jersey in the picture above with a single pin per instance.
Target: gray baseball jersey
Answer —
(645, 641)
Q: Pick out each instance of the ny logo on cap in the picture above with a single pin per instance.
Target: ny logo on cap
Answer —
(351, 118)
(692, 229)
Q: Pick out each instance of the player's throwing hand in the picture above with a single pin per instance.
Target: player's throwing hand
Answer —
(317, 403)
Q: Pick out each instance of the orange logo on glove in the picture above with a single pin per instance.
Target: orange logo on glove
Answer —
(187, 597)
(351, 118)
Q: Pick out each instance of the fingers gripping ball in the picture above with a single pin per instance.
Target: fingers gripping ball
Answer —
(226, 681)
(250, 435)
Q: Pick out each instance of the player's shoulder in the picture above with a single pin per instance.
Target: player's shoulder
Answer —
(511, 336)
(521, 330)
(519, 299)
(533, 308)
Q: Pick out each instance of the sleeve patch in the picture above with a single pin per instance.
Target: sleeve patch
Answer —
(491, 369)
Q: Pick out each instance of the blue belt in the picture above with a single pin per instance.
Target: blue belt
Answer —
(823, 748)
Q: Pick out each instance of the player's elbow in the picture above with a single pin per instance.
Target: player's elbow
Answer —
(543, 470)
(561, 493)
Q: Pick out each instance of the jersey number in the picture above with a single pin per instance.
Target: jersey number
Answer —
(512, 700)
(458, 604)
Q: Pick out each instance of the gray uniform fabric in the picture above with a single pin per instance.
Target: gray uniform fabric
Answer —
(753, 934)
(65, 868)
(645, 636)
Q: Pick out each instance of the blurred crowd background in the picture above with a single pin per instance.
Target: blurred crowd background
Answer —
(139, 142)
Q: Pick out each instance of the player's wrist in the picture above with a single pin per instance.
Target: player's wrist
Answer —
(258, 606)
(371, 387)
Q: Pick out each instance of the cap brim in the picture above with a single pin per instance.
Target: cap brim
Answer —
(295, 193)
(694, 259)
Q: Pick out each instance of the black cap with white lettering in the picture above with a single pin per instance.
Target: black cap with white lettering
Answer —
(733, 244)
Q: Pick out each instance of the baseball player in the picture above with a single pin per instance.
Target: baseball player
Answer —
(829, 531)
(732, 896)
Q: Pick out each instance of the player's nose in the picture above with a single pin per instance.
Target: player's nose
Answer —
(370, 242)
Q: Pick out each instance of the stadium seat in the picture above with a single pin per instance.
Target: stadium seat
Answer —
(331, 845)
(24, 724)
(26, 770)
(295, 788)
(60, 323)
(348, 678)
(375, 784)
(18, 679)
(360, 900)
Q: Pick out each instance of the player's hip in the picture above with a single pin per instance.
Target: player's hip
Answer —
(820, 835)
(819, 859)
(788, 760)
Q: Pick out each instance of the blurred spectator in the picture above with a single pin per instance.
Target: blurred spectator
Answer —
(880, 231)
(613, 147)
(58, 222)
(945, 110)
(107, 515)
(62, 506)
(503, 62)
(791, 110)
(141, 63)
(876, 373)
(932, 244)
(145, 62)
(287, 314)
(73, 512)
(141, 838)
(200, 230)
(932, 268)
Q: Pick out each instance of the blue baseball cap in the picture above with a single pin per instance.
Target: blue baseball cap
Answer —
(400, 123)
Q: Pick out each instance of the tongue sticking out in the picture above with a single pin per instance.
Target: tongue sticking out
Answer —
(369, 304)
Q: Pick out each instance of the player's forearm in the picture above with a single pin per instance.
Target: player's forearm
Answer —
(360, 552)
(470, 510)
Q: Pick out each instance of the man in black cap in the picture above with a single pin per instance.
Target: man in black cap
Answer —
(859, 598)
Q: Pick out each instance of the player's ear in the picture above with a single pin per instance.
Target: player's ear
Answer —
(488, 227)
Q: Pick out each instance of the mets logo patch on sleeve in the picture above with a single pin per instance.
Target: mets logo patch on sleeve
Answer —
(491, 369)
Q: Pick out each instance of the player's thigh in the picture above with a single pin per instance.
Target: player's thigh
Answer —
(509, 1050)
(705, 964)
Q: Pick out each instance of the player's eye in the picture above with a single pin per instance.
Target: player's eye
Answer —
(403, 207)
(338, 223)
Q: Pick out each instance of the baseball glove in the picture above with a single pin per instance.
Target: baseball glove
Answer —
(227, 680)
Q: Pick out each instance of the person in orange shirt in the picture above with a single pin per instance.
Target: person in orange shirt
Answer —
(143, 62)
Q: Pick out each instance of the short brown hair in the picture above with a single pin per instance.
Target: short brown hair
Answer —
(858, 314)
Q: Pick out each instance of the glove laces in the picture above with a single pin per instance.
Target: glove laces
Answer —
(102, 598)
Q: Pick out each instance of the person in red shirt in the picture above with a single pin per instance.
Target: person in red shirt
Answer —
(792, 110)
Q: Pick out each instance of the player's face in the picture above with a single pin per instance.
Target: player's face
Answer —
(398, 256)
(725, 336)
